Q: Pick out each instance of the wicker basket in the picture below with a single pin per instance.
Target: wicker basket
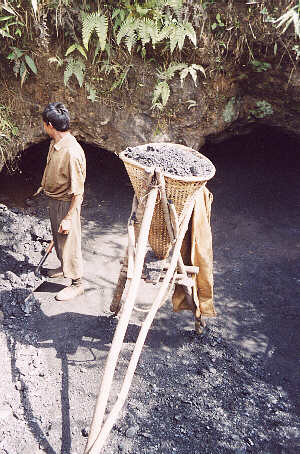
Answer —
(178, 189)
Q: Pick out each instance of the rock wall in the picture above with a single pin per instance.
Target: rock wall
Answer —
(222, 105)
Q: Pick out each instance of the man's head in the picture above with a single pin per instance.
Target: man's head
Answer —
(56, 116)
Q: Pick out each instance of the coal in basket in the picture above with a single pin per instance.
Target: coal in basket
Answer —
(185, 171)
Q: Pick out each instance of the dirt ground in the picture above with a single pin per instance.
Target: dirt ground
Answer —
(233, 390)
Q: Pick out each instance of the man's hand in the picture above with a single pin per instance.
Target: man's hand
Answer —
(65, 226)
(37, 192)
(29, 201)
(66, 223)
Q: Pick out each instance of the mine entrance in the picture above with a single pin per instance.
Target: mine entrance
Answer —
(266, 157)
(104, 169)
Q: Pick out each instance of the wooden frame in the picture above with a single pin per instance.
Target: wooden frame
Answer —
(130, 276)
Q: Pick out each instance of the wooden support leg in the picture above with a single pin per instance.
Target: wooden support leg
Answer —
(97, 445)
(131, 250)
(131, 238)
(115, 304)
(199, 322)
(172, 223)
(117, 342)
(127, 263)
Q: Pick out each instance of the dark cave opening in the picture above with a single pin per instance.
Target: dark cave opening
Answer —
(260, 159)
(15, 188)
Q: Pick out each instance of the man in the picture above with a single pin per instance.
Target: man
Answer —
(63, 183)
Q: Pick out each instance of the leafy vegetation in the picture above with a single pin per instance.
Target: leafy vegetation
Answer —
(162, 90)
(94, 22)
(156, 24)
(76, 67)
(290, 17)
(182, 36)
(218, 22)
(7, 131)
(263, 109)
(260, 66)
(98, 46)
(22, 63)
(229, 112)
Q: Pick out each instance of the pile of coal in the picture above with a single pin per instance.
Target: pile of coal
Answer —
(22, 240)
(172, 160)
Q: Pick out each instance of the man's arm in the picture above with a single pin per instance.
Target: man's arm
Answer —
(66, 223)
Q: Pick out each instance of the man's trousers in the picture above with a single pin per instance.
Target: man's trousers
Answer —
(68, 247)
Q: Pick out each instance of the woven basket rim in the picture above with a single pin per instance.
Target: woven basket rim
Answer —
(167, 174)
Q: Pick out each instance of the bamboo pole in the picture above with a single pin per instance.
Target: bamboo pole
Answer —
(164, 201)
(117, 342)
(131, 238)
(190, 269)
(190, 273)
(165, 206)
(174, 219)
(131, 245)
(97, 446)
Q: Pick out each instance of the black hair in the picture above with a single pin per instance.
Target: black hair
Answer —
(57, 114)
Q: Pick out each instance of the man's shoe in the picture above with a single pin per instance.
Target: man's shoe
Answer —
(57, 272)
(68, 293)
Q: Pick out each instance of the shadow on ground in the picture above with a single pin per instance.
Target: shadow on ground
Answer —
(233, 381)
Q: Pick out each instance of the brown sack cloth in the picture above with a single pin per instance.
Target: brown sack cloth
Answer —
(197, 250)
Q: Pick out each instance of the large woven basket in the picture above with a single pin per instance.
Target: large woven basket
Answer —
(178, 189)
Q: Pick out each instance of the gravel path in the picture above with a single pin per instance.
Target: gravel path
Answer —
(234, 390)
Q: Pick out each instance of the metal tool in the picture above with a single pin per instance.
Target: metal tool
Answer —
(44, 258)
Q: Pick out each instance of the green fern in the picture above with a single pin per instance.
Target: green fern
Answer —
(101, 26)
(118, 16)
(292, 16)
(156, 21)
(190, 32)
(121, 79)
(91, 91)
(76, 67)
(141, 11)
(94, 22)
(74, 47)
(192, 70)
(88, 26)
(161, 91)
(130, 40)
(171, 70)
(59, 61)
(178, 10)
(177, 34)
(175, 4)
(177, 37)
(128, 28)
(148, 31)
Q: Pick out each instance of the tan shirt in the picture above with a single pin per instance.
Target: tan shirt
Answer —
(65, 171)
